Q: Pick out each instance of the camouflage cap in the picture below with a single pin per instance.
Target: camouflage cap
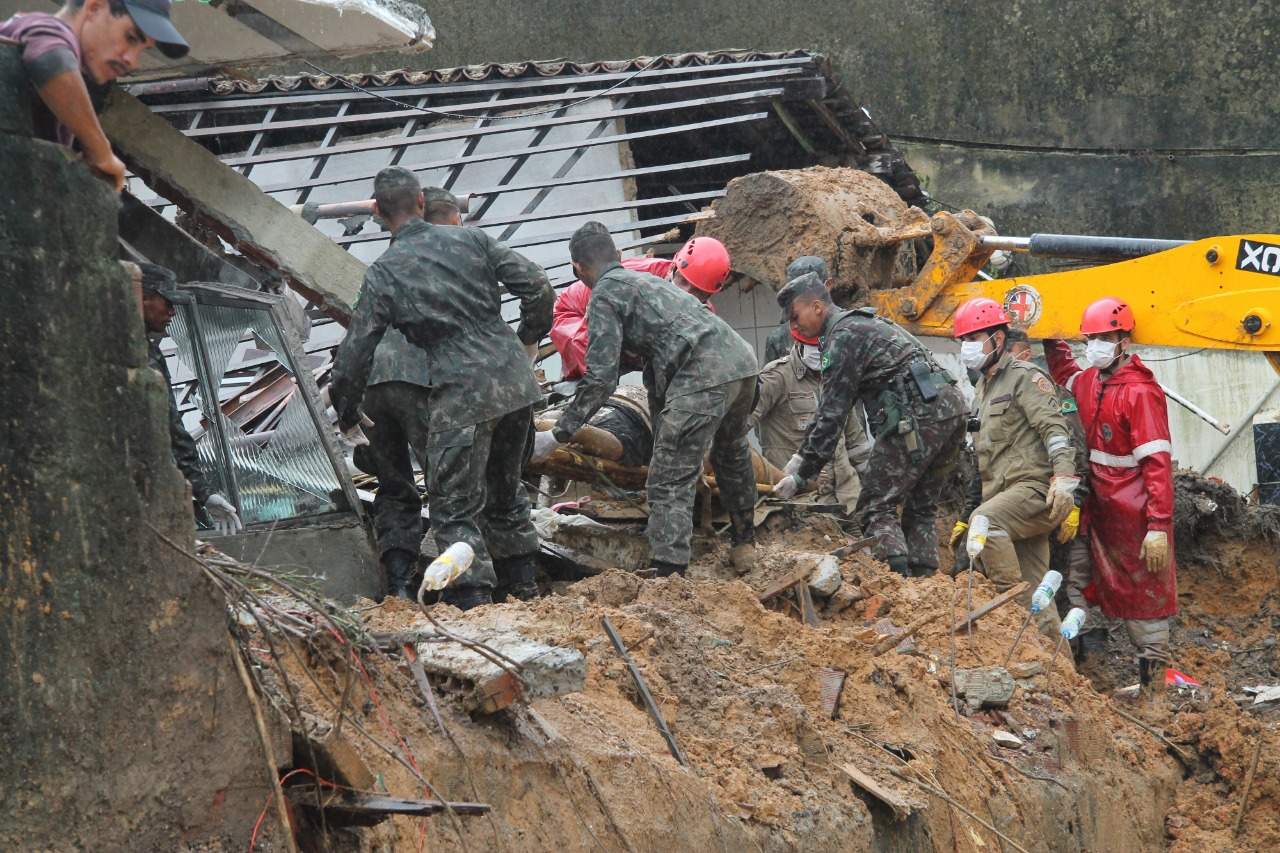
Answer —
(393, 179)
(158, 279)
(809, 284)
(438, 195)
(807, 263)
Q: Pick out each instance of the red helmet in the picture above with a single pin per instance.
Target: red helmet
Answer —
(799, 338)
(1108, 314)
(977, 314)
(704, 262)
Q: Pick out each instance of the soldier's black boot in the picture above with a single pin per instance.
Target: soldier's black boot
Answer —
(921, 571)
(516, 577)
(899, 563)
(742, 530)
(662, 569)
(399, 565)
(467, 597)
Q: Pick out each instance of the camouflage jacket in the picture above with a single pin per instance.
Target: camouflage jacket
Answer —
(863, 356)
(184, 446)
(1023, 435)
(786, 406)
(439, 285)
(685, 347)
(397, 360)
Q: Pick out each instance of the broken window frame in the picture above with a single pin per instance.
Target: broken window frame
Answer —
(290, 357)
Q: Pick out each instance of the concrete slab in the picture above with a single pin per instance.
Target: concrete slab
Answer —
(545, 671)
(254, 223)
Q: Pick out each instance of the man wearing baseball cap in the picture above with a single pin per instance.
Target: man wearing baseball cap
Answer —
(87, 42)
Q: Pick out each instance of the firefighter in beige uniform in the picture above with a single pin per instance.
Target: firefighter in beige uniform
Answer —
(1025, 456)
(785, 407)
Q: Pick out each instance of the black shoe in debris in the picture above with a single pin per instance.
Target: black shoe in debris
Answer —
(467, 597)
(898, 563)
(400, 566)
(662, 569)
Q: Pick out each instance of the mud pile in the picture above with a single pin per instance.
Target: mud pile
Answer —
(741, 687)
(844, 216)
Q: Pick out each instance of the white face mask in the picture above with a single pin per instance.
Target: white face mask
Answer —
(1100, 353)
(973, 354)
(811, 356)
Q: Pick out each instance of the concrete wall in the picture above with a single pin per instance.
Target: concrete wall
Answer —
(1151, 117)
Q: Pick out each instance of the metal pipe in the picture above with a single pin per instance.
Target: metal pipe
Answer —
(1245, 421)
(313, 212)
(1200, 413)
(1081, 246)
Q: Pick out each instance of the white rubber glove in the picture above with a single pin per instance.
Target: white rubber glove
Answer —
(225, 518)
(979, 527)
(544, 444)
(786, 488)
(1061, 498)
(355, 437)
(1155, 550)
(793, 465)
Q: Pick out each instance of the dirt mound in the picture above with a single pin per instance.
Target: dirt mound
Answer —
(843, 216)
(741, 687)
(1207, 511)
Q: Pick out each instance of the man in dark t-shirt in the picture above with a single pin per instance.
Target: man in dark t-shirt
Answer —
(93, 41)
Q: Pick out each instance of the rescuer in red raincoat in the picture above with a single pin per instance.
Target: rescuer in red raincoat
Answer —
(700, 267)
(1128, 514)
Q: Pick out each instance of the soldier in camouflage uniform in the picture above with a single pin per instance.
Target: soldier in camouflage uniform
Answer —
(396, 401)
(440, 286)
(915, 411)
(159, 293)
(778, 344)
(699, 369)
(786, 406)
(1025, 456)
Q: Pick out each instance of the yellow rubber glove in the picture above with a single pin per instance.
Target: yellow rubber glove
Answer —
(1155, 550)
(1070, 526)
(958, 531)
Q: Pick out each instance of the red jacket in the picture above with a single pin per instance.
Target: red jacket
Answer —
(1130, 482)
(569, 326)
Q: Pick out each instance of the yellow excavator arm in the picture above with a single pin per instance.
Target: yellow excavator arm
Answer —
(1218, 293)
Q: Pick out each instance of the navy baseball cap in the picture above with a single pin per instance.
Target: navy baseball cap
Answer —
(152, 17)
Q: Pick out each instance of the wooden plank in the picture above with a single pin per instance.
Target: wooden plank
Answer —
(894, 641)
(999, 601)
(899, 804)
(787, 581)
(807, 613)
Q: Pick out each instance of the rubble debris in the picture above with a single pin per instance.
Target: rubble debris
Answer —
(1022, 670)
(825, 579)
(832, 684)
(897, 803)
(354, 808)
(1006, 739)
(543, 670)
(896, 640)
(984, 687)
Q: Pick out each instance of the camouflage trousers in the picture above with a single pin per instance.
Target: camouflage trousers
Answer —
(1017, 547)
(713, 420)
(399, 414)
(477, 496)
(892, 481)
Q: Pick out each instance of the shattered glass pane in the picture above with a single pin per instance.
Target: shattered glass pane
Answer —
(277, 458)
